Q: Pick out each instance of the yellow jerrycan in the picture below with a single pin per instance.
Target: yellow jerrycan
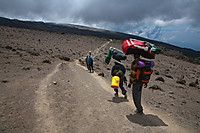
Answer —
(115, 82)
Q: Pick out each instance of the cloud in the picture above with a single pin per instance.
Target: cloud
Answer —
(155, 19)
(99, 11)
(172, 22)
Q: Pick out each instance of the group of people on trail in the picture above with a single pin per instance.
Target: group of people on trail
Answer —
(140, 71)
(89, 61)
(119, 70)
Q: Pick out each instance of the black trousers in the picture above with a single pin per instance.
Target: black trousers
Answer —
(137, 93)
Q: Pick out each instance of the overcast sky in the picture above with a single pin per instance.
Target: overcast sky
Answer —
(173, 21)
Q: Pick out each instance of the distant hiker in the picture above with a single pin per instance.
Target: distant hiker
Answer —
(86, 60)
(136, 84)
(119, 70)
(90, 61)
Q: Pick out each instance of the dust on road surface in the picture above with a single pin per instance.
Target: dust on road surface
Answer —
(70, 99)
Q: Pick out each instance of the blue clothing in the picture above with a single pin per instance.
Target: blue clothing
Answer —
(122, 89)
(90, 60)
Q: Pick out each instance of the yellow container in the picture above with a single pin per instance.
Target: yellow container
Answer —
(115, 82)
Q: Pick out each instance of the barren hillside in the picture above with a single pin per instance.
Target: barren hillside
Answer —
(44, 89)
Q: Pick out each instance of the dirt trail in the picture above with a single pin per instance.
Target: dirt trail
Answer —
(42, 105)
(85, 103)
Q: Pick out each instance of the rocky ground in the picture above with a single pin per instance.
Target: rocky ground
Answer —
(40, 87)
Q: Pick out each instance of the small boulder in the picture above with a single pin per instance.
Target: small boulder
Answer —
(192, 84)
(156, 72)
(167, 70)
(160, 79)
(26, 68)
(156, 87)
(101, 74)
(64, 58)
(4, 81)
(33, 53)
(181, 81)
(47, 61)
(169, 76)
(197, 81)
(81, 62)
(8, 47)
(55, 83)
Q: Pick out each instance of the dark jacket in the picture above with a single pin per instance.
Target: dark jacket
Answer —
(119, 70)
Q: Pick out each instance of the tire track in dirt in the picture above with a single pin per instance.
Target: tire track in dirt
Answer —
(46, 119)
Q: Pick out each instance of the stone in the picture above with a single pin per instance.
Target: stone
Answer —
(156, 72)
(192, 84)
(26, 68)
(108, 68)
(101, 74)
(156, 87)
(64, 58)
(4, 81)
(181, 81)
(197, 81)
(160, 79)
(8, 47)
(47, 61)
(169, 76)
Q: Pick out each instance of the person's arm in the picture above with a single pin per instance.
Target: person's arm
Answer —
(132, 74)
(124, 70)
(112, 71)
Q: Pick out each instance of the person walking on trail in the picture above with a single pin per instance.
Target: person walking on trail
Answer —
(136, 85)
(86, 61)
(119, 70)
(90, 61)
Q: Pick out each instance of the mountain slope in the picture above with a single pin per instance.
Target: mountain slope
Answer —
(86, 31)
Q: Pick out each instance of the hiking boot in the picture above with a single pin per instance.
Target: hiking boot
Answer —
(125, 96)
(124, 92)
(139, 112)
(116, 94)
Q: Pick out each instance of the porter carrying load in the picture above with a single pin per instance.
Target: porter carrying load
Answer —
(145, 49)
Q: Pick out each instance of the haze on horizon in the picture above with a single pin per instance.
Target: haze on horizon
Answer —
(172, 21)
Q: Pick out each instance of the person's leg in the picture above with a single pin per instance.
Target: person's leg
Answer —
(116, 92)
(122, 88)
(137, 92)
(87, 66)
(92, 68)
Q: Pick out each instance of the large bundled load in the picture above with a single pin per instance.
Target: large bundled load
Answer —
(115, 54)
(145, 49)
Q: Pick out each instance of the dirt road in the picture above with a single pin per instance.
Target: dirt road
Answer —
(73, 100)
(42, 93)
